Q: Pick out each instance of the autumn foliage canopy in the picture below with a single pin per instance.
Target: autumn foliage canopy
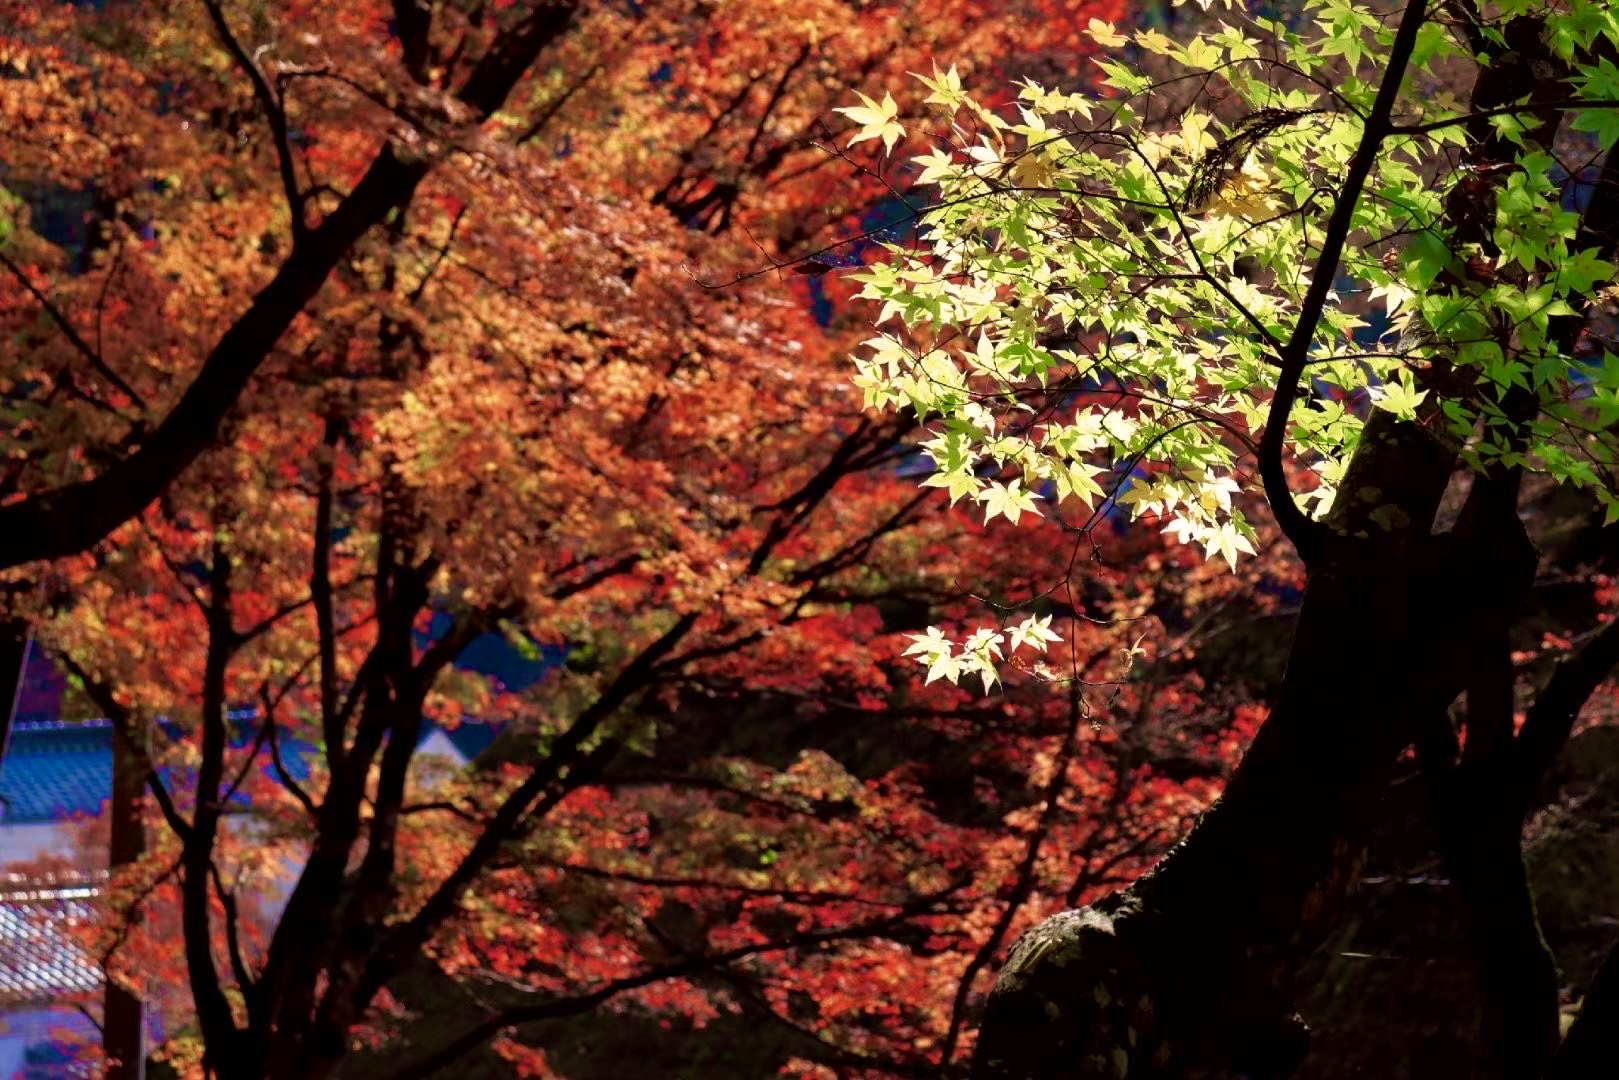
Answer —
(538, 393)
(375, 370)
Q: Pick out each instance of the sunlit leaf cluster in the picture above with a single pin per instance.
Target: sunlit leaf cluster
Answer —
(1105, 284)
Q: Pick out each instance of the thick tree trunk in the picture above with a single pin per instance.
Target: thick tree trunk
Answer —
(1192, 965)
(1481, 822)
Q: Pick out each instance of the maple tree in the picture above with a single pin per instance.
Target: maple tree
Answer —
(70, 515)
(513, 404)
(1160, 295)
(493, 392)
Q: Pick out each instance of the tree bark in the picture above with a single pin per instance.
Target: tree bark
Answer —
(1192, 965)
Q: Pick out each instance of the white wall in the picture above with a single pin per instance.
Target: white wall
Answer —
(31, 839)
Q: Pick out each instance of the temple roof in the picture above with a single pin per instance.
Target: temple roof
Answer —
(40, 961)
(58, 769)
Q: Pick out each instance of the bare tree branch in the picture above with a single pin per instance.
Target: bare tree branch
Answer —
(69, 331)
(1304, 533)
(124, 720)
(573, 1006)
(275, 115)
(1547, 725)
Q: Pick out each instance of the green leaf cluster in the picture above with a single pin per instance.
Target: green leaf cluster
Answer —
(1073, 326)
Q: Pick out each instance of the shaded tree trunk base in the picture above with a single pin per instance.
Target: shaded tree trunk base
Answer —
(1101, 992)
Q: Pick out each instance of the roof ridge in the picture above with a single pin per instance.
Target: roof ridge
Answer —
(60, 725)
(63, 885)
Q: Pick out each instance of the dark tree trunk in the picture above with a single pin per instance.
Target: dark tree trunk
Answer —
(1192, 965)
(1191, 968)
(14, 645)
(1481, 826)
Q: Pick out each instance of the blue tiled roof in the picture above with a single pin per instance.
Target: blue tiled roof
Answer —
(56, 769)
(40, 961)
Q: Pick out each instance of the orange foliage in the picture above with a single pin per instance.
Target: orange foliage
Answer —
(520, 407)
